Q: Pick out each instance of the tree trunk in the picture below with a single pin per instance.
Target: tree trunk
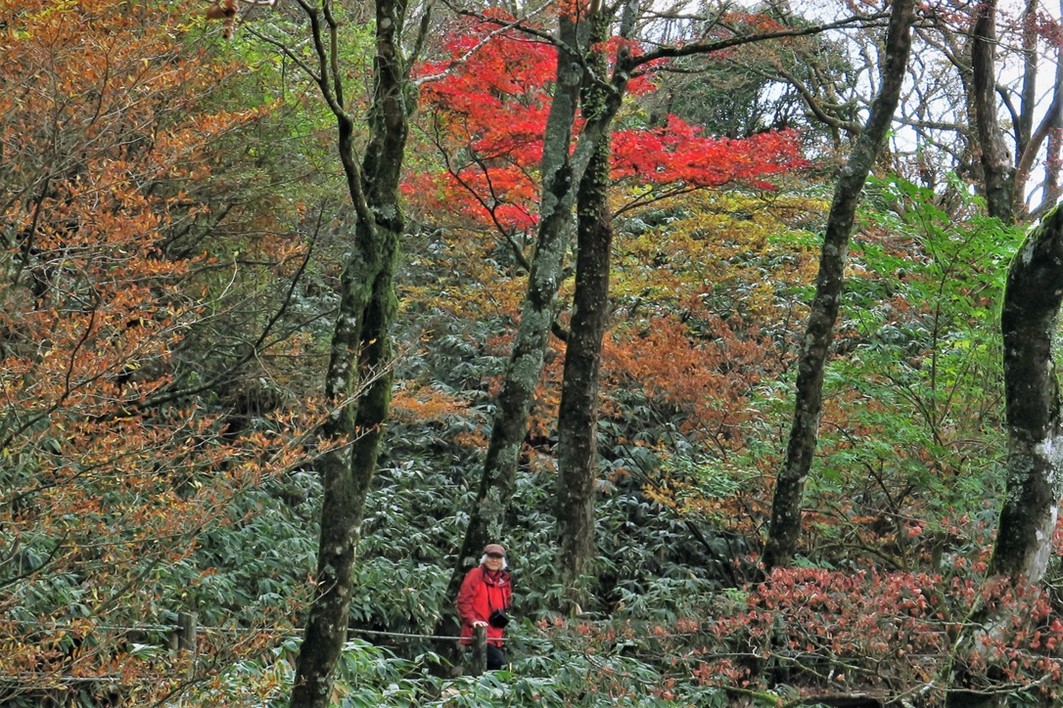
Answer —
(1046, 134)
(786, 506)
(1027, 521)
(1032, 298)
(537, 312)
(1029, 318)
(996, 166)
(1054, 127)
(577, 415)
(359, 376)
(562, 174)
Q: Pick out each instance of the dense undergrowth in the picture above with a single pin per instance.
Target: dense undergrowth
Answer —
(669, 626)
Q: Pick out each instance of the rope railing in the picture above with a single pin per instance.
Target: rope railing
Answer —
(67, 626)
(167, 628)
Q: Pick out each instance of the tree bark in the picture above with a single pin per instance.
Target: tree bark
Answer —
(1046, 132)
(1023, 545)
(996, 164)
(1029, 320)
(560, 176)
(359, 375)
(577, 415)
(786, 505)
(562, 173)
(1026, 526)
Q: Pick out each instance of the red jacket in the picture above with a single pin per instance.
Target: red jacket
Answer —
(482, 592)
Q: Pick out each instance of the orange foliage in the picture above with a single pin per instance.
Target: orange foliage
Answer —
(423, 405)
(106, 148)
(710, 378)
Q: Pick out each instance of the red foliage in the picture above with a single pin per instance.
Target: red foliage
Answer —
(489, 110)
(886, 632)
(679, 153)
(822, 632)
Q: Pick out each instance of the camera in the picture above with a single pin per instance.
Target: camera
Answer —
(498, 619)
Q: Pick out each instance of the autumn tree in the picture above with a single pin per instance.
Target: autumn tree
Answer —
(945, 138)
(561, 170)
(118, 454)
(811, 86)
(1028, 319)
(695, 162)
(490, 173)
(537, 311)
(359, 375)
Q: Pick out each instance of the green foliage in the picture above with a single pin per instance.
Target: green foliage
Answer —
(563, 673)
(912, 439)
(252, 568)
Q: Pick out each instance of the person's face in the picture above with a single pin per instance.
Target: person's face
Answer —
(494, 561)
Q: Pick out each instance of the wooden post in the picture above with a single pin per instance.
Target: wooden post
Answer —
(479, 651)
(186, 631)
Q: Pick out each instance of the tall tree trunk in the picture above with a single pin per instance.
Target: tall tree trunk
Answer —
(1046, 132)
(1053, 189)
(562, 172)
(359, 376)
(786, 506)
(1034, 478)
(1054, 127)
(1029, 320)
(996, 164)
(1023, 128)
(578, 415)
(560, 177)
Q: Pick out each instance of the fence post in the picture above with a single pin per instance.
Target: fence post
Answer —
(479, 651)
(185, 633)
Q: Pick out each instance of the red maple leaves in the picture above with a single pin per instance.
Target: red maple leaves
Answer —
(487, 120)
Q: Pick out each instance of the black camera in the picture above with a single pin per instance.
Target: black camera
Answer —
(498, 619)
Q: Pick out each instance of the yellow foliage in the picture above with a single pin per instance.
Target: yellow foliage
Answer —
(723, 240)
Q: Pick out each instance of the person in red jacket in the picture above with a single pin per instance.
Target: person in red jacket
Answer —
(484, 597)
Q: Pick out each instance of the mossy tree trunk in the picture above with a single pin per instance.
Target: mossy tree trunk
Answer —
(1027, 523)
(996, 163)
(359, 377)
(562, 171)
(1029, 321)
(785, 523)
(560, 175)
(578, 412)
